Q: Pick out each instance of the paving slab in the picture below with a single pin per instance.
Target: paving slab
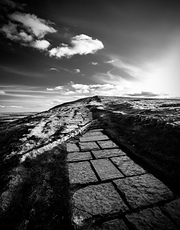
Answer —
(111, 225)
(95, 130)
(85, 146)
(72, 147)
(94, 138)
(143, 190)
(107, 144)
(94, 133)
(105, 153)
(173, 209)
(79, 156)
(105, 169)
(150, 219)
(99, 199)
(81, 173)
(127, 166)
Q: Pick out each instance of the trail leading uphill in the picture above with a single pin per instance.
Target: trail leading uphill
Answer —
(42, 156)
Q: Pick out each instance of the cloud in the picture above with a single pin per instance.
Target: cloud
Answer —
(111, 78)
(77, 70)
(10, 106)
(130, 69)
(143, 94)
(40, 44)
(94, 63)
(36, 26)
(25, 37)
(8, 4)
(56, 88)
(53, 69)
(2, 92)
(66, 70)
(111, 61)
(79, 89)
(11, 32)
(80, 44)
(68, 92)
(28, 29)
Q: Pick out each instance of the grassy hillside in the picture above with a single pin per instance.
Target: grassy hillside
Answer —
(34, 185)
(149, 131)
(34, 194)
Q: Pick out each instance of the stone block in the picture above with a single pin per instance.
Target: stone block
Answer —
(94, 138)
(108, 153)
(81, 173)
(78, 156)
(127, 166)
(105, 169)
(150, 219)
(95, 130)
(143, 190)
(85, 146)
(72, 147)
(90, 134)
(107, 144)
(99, 199)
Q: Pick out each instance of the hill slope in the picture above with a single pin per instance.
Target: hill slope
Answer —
(34, 182)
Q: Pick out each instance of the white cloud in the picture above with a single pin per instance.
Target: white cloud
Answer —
(59, 88)
(94, 63)
(112, 79)
(56, 88)
(130, 69)
(11, 32)
(80, 44)
(53, 69)
(144, 94)
(111, 61)
(77, 70)
(68, 92)
(25, 37)
(28, 29)
(79, 89)
(79, 86)
(2, 92)
(40, 44)
(36, 26)
(10, 106)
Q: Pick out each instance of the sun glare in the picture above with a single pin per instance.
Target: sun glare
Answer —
(164, 76)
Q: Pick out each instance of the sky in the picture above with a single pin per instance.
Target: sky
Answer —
(58, 51)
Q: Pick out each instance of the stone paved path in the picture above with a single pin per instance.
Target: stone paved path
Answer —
(110, 191)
